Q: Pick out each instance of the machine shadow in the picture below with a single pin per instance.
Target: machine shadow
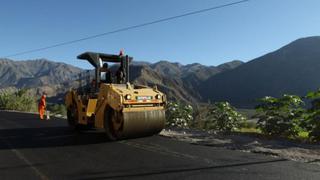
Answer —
(48, 137)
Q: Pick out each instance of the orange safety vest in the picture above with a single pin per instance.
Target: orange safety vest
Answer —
(42, 102)
(41, 107)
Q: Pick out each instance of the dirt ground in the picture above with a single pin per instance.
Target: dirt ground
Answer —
(302, 152)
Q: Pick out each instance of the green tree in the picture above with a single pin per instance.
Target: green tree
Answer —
(179, 115)
(280, 116)
(223, 117)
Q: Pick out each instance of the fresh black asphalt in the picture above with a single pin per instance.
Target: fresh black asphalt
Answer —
(34, 149)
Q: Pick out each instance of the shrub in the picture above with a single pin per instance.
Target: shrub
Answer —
(57, 109)
(312, 123)
(223, 117)
(280, 116)
(179, 115)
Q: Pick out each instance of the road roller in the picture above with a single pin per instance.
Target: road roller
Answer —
(110, 102)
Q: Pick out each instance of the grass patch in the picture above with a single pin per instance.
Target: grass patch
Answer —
(303, 135)
(250, 130)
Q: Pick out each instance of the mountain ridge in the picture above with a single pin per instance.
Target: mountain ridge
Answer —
(174, 79)
(291, 69)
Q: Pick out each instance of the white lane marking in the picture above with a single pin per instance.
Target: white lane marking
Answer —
(41, 175)
(24, 159)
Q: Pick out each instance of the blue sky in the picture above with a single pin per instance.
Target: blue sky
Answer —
(244, 31)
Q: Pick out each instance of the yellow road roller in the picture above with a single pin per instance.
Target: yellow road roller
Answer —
(110, 102)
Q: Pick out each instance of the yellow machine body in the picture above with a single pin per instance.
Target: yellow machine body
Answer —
(124, 110)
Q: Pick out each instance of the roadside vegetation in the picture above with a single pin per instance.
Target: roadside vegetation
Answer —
(285, 117)
(19, 100)
(179, 115)
(223, 117)
(23, 100)
(220, 116)
(57, 109)
(280, 116)
(312, 116)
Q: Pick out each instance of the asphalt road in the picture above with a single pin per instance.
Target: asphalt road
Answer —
(34, 149)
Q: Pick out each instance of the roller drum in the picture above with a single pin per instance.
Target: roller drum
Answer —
(142, 123)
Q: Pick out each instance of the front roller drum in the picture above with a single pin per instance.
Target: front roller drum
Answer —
(136, 124)
(144, 123)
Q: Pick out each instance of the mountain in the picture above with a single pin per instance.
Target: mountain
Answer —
(293, 69)
(41, 75)
(179, 82)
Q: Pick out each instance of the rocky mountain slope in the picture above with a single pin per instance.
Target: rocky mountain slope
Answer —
(39, 74)
(293, 69)
(179, 82)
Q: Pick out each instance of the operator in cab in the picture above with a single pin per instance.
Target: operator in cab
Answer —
(120, 75)
(105, 74)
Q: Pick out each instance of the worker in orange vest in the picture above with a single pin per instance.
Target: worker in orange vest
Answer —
(42, 105)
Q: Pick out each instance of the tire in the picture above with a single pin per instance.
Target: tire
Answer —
(110, 132)
(72, 116)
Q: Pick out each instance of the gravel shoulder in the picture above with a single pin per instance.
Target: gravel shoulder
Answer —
(302, 152)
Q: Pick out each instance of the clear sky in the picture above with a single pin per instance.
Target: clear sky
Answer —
(244, 31)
